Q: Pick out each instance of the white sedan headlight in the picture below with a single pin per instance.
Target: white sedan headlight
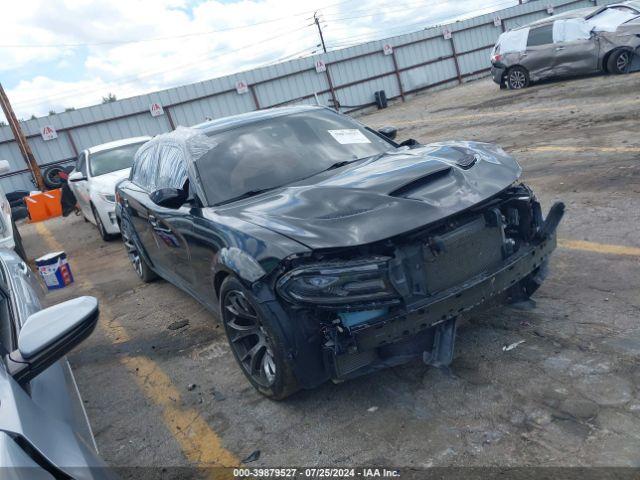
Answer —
(108, 197)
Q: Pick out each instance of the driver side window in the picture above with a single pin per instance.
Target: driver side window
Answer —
(172, 168)
(144, 169)
(540, 36)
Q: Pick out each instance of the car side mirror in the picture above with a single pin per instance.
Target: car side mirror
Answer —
(389, 132)
(170, 197)
(5, 167)
(76, 177)
(49, 335)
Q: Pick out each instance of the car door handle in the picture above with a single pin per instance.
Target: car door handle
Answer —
(559, 48)
(23, 268)
(156, 226)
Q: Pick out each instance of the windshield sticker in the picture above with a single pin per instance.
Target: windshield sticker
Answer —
(349, 136)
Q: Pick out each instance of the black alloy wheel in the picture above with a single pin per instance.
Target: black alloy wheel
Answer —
(254, 344)
(140, 266)
(620, 62)
(517, 78)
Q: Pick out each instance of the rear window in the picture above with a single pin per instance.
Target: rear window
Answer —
(540, 36)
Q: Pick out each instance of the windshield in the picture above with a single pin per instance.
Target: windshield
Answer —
(113, 160)
(282, 150)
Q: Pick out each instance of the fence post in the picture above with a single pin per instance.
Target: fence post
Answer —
(255, 97)
(455, 59)
(395, 69)
(331, 89)
(71, 142)
(170, 118)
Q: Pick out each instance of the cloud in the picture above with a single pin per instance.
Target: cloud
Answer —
(284, 29)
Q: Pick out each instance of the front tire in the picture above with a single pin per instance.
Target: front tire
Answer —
(256, 346)
(517, 78)
(103, 232)
(140, 265)
(619, 62)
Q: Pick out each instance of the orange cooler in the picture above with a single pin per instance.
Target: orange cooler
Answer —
(44, 205)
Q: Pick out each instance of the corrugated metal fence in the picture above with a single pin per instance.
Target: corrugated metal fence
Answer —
(418, 61)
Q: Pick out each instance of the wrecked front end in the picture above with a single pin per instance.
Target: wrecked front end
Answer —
(357, 310)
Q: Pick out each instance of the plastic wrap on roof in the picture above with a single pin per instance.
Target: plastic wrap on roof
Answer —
(610, 19)
(198, 144)
(514, 40)
(570, 30)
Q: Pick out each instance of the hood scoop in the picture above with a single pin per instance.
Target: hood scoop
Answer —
(421, 182)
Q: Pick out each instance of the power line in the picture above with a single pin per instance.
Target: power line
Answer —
(370, 37)
(168, 37)
(126, 80)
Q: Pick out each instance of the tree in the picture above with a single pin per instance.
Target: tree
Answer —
(33, 117)
(52, 112)
(111, 97)
(3, 123)
(69, 109)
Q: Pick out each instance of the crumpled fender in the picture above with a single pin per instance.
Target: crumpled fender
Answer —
(241, 263)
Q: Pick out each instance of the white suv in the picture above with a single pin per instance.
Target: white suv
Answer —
(94, 180)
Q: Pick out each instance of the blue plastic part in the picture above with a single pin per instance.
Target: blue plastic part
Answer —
(351, 319)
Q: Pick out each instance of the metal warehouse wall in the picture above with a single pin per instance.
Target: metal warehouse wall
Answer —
(421, 60)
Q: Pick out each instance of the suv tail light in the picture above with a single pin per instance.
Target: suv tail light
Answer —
(495, 58)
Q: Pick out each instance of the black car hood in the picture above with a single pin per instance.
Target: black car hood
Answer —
(380, 198)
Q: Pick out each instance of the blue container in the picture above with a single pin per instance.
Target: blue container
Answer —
(55, 270)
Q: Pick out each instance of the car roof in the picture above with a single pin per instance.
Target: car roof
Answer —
(117, 143)
(578, 13)
(224, 123)
(582, 13)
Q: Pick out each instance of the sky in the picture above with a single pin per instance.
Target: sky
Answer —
(57, 54)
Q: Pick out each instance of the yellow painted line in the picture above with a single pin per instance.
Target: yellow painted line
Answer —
(599, 247)
(198, 442)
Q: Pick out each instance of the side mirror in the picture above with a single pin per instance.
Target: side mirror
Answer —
(49, 335)
(5, 167)
(169, 197)
(76, 177)
(389, 132)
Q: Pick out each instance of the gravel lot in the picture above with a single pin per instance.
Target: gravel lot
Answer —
(569, 395)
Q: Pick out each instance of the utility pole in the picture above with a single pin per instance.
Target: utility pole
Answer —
(21, 140)
(317, 22)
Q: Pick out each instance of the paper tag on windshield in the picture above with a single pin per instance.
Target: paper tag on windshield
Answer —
(349, 136)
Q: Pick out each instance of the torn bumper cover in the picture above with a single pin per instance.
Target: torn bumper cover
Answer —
(426, 329)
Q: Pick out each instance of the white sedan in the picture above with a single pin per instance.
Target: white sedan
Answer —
(94, 180)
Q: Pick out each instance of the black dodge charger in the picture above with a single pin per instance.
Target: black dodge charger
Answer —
(328, 249)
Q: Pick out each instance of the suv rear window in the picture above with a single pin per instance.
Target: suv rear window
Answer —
(540, 36)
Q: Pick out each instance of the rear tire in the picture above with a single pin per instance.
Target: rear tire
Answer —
(255, 343)
(619, 62)
(517, 78)
(140, 265)
(18, 241)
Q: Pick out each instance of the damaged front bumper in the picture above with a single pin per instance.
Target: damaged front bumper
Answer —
(391, 340)
(426, 328)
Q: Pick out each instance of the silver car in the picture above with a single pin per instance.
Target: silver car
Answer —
(44, 431)
(579, 42)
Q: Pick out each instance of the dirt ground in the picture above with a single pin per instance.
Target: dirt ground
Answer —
(569, 395)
